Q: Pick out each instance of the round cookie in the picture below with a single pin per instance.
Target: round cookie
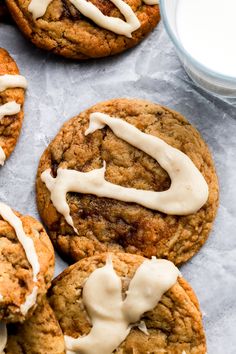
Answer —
(65, 31)
(41, 334)
(16, 278)
(174, 325)
(10, 126)
(110, 225)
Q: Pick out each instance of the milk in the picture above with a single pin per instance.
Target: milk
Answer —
(207, 30)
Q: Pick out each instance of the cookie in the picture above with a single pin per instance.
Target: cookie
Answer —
(12, 94)
(26, 262)
(174, 324)
(81, 29)
(104, 224)
(41, 334)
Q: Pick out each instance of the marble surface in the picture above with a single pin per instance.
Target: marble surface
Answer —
(59, 89)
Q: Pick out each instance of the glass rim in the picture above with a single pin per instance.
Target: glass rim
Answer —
(179, 46)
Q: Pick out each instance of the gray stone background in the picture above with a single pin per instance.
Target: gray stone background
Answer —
(59, 89)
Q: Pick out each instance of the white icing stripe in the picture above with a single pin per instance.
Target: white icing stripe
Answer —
(187, 194)
(28, 245)
(38, 7)
(3, 337)
(9, 109)
(2, 156)
(26, 242)
(88, 9)
(29, 301)
(12, 81)
(113, 24)
(110, 315)
(151, 2)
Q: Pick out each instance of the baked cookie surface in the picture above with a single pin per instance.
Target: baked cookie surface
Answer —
(10, 125)
(41, 334)
(16, 278)
(105, 224)
(66, 31)
(174, 325)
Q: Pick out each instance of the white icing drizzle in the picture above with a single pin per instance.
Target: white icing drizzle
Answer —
(110, 315)
(12, 81)
(9, 109)
(3, 337)
(151, 2)
(88, 9)
(38, 7)
(2, 156)
(28, 245)
(187, 194)
(29, 301)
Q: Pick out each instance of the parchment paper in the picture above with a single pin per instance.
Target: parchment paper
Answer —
(59, 89)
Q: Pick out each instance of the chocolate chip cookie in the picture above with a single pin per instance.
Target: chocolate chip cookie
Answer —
(173, 326)
(65, 30)
(20, 290)
(41, 334)
(105, 224)
(10, 125)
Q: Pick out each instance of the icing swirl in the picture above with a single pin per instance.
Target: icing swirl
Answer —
(111, 316)
(187, 194)
(12, 81)
(88, 9)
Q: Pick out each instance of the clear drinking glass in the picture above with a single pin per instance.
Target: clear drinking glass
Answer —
(209, 80)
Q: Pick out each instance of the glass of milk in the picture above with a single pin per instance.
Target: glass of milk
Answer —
(204, 35)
